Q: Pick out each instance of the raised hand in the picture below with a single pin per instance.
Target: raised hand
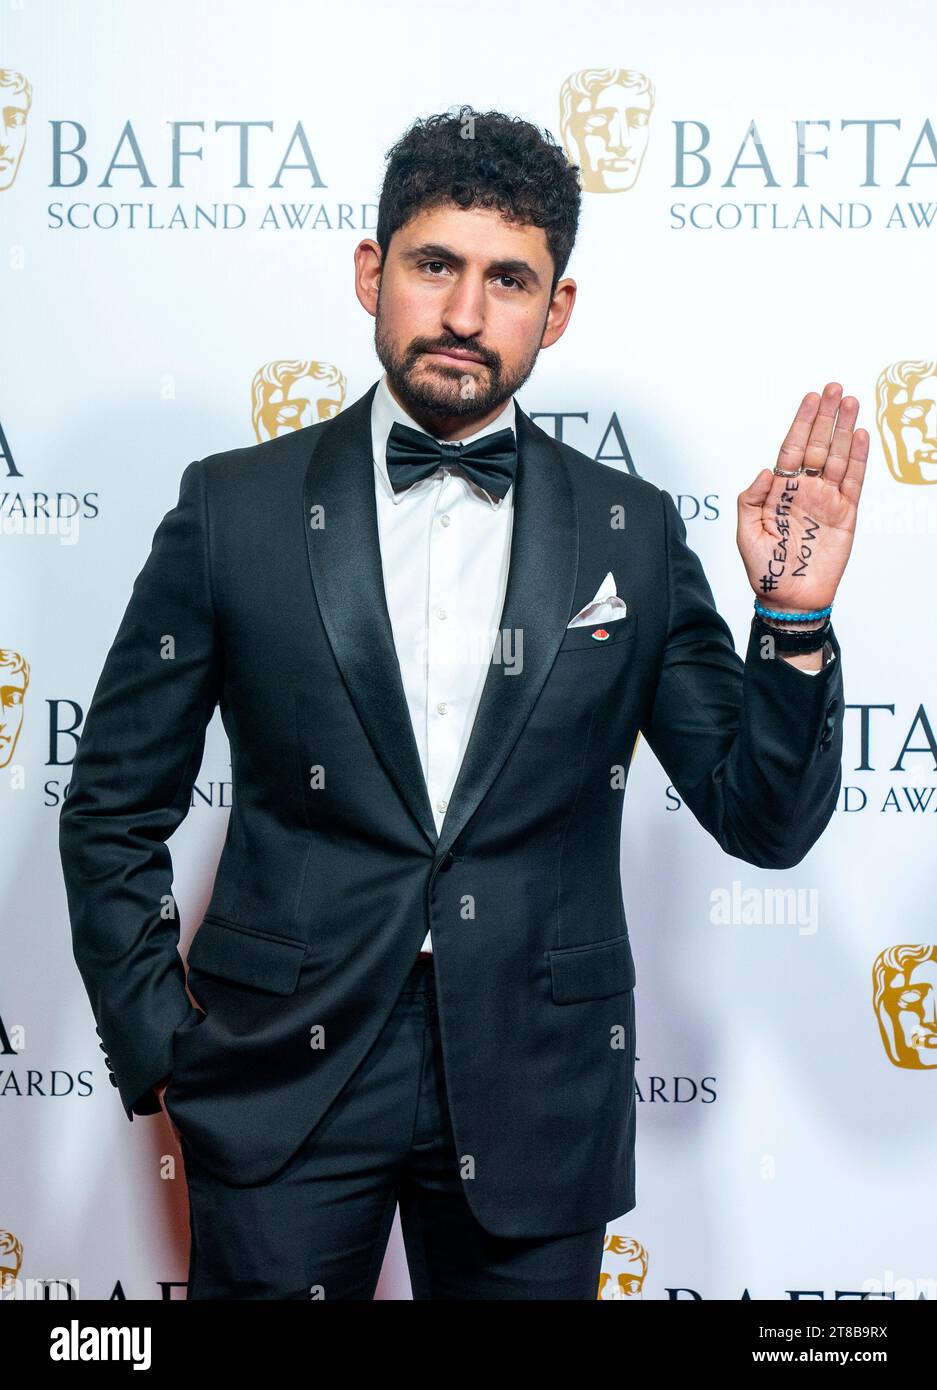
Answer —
(795, 534)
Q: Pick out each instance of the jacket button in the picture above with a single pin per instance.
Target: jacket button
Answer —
(112, 1078)
(833, 706)
(447, 861)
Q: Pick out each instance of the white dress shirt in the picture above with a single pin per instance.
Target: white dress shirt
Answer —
(445, 553)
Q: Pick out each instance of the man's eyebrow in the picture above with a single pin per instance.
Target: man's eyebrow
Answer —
(434, 250)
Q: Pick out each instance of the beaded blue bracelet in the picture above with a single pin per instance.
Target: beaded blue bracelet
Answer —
(792, 617)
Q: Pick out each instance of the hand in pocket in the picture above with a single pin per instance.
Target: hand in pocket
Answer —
(160, 1090)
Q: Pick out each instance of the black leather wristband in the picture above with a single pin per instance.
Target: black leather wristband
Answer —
(788, 643)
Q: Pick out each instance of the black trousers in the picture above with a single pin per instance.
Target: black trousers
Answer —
(319, 1229)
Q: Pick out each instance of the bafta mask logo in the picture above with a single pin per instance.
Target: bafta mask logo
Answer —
(906, 414)
(904, 981)
(11, 1259)
(605, 118)
(293, 394)
(627, 1269)
(14, 678)
(17, 96)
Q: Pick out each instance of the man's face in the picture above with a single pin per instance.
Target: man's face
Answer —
(467, 280)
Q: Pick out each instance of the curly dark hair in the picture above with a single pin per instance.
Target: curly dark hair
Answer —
(504, 162)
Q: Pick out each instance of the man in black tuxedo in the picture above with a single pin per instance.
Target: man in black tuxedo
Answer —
(414, 981)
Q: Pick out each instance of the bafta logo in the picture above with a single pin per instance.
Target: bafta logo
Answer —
(626, 1277)
(906, 415)
(904, 996)
(290, 395)
(16, 95)
(11, 1259)
(604, 126)
(14, 678)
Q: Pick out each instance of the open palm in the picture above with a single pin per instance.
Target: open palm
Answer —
(795, 534)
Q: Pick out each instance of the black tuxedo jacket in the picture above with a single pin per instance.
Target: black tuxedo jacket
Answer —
(266, 576)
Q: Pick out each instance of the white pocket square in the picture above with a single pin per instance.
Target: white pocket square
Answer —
(606, 607)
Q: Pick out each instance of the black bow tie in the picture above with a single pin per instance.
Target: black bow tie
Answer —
(490, 461)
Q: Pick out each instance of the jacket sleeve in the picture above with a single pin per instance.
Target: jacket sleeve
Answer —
(131, 783)
(754, 748)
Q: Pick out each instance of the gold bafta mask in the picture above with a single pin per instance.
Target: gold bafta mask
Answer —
(16, 97)
(906, 415)
(605, 117)
(14, 678)
(624, 1269)
(11, 1259)
(904, 996)
(290, 395)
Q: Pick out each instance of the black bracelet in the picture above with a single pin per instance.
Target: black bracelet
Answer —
(789, 643)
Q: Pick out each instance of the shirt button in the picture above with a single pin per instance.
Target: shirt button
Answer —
(441, 804)
(445, 519)
(441, 707)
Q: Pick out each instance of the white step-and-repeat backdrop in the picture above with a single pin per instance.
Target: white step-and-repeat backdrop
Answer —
(181, 190)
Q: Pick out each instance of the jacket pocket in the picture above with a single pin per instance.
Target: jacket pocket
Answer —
(248, 957)
(593, 971)
(580, 639)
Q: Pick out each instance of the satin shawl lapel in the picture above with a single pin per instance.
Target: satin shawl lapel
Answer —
(342, 539)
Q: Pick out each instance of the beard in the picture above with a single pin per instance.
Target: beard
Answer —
(447, 391)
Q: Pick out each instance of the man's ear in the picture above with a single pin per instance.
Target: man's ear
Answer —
(558, 312)
(368, 267)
